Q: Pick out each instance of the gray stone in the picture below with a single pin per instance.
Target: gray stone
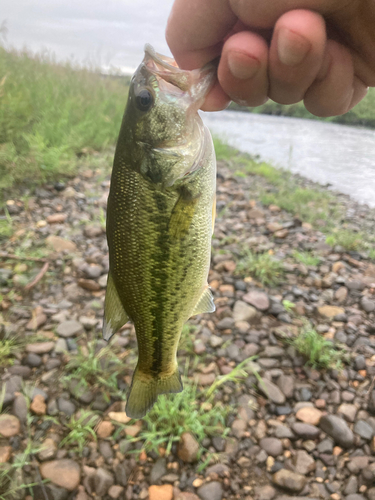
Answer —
(61, 346)
(305, 431)
(158, 470)
(286, 384)
(289, 480)
(364, 430)
(20, 408)
(210, 491)
(120, 474)
(272, 391)
(216, 341)
(103, 480)
(348, 411)
(367, 304)
(272, 446)
(337, 428)
(105, 450)
(357, 464)
(325, 446)
(66, 406)
(360, 362)
(351, 486)
(69, 328)
(283, 432)
(257, 299)
(33, 360)
(266, 492)
(303, 462)
(244, 312)
(22, 371)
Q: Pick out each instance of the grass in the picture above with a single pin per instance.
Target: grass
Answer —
(319, 352)
(192, 410)
(362, 114)
(306, 258)
(95, 369)
(263, 267)
(8, 348)
(81, 430)
(50, 113)
(350, 240)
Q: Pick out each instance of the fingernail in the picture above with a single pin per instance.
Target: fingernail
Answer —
(242, 66)
(292, 48)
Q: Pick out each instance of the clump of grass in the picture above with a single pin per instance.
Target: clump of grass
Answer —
(288, 305)
(319, 352)
(263, 267)
(347, 239)
(81, 430)
(371, 254)
(9, 346)
(50, 112)
(223, 151)
(306, 258)
(94, 368)
(191, 410)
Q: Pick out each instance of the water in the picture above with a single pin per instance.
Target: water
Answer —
(324, 152)
(112, 34)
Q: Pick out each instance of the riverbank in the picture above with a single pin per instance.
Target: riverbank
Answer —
(278, 397)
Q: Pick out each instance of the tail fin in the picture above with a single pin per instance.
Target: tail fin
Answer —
(144, 391)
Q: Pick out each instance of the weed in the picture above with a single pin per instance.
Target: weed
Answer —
(347, 239)
(81, 430)
(263, 267)
(319, 352)
(288, 305)
(306, 258)
(8, 347)
(371, 254)
(223, 151)
(6, 225)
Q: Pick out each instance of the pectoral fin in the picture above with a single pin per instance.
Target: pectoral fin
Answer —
(114, 314)
(181, 217)
(205, 304)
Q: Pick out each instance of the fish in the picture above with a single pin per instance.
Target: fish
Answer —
(160, 219)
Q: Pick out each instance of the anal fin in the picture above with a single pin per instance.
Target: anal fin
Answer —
(205, 303)
(114, 314)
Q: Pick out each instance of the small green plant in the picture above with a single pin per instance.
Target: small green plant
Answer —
(187, 338)
(288, 305)
(306, 258)
(223, 151)
(371, 254)
(319, 352)
(94, 367)
(263, 267)
(81, 430)
(347, 239)
(8, 348)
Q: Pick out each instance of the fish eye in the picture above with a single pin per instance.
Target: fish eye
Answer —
(144, 100)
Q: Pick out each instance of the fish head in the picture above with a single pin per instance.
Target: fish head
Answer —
(167, 133)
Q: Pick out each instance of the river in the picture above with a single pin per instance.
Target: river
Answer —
(111, 34)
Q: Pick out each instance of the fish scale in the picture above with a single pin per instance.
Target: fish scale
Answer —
(159, 224)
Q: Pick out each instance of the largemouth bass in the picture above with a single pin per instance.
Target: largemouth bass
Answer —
(160, 220)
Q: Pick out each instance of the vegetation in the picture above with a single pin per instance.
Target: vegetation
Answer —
(362, 114)
(81, 430)
(50, 113)
(263, 267)
(306, 258)
(345, 238)
(319, 352)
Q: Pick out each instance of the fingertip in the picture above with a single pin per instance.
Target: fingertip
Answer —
(216, 100)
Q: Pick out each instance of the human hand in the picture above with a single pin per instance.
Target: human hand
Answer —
(321, 51)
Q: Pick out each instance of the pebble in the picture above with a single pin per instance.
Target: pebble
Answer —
(337, 428)
(105, 429)
(271, 391)
(9, 425)
(244, 312)
(66, 406)
(64, 473)
(69, 328)
(5, 454)
(303, 462)
(305, 431)
(188, 448)
(348, 411)
(257, 299)
(309, 415)
(266, 492)
(38, 405)
(164, 492)
(363, 429)
(330, 312)
(115, 491)
(40, 347)
(103, 480)
(289, 480)
(158, 470)
(367, 304)
(286, 384)
(272, 446)
(210, 491)
(48, 451)
(60, 244)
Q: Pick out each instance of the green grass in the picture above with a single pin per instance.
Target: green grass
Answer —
(81, 430)
(319, 352)
(262, 267)
(350, 240)
(306, 258)
(362, 114)
(51, 112)
(223, 151)
(8, 348)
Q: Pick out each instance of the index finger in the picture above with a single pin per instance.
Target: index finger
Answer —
(196, 30)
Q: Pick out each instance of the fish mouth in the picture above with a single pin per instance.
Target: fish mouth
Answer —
(197, 83)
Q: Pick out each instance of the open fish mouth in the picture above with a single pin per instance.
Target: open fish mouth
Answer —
(197, 82)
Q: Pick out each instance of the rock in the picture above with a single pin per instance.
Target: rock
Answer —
(271, 391)
(48, 450)
(158, 470)
(105, 429)
(204, 378)
(186, 495)
(272, 446)
(341, 294)
(40, 347)
(309, 415)
(303, 462)
(289, 480)
(364, 430)
(210, 491)
(33, 360)
(61, 245)
(5, 454)
(61, 346)
(330, 312)
(9, 425)
(90, 285)
(22, 371)
(357, 464)
(20, 408)
(257, 299)
(367, 304)
(188, 448)
(266, 492)
(337, 428)
(239, 427)
(348, 411)
(38, 405)
(244, 312)
(305, 431)
(215, 341)
(38, 320)
(119, 416)
(56, 218)
(360, 362)
(283, 432)
(64, 473)
(66, 406)
(164, 492)
(115, 491)
(286, 384)
(69, 328)
(103, 480)
(93, 230)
